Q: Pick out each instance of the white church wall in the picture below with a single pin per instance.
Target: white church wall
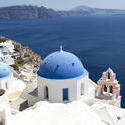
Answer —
(82, 83)
(10, 82)
(85, 81)
(58, 88)
(55, 88)
(7, 83)
(91, 94)
(4, 83)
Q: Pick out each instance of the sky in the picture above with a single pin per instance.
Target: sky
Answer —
(67, 4)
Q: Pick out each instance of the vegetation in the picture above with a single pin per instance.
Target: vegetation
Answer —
(23, 55)
(19, 61)
(15, 67)
(34, 71)
(3, 40)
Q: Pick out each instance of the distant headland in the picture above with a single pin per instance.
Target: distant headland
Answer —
(34, 12)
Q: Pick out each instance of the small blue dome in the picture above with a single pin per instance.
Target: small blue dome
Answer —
(61, 65)
(4, 70)
(1, 59)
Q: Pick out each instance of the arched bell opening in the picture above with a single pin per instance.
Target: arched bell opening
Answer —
(111, 89)
(105, 88)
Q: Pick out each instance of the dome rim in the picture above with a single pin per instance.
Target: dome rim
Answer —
(66, 78)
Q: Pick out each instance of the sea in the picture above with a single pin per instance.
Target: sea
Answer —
(98, 41)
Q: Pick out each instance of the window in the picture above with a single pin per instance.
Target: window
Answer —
(65, 94)
(111, 89)
(6, 86)
(82, 88)
(105, 88)
(108, 75)
(46, 93)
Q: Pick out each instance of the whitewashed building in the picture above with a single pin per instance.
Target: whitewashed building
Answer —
(5, 77)
(62, 78)
(7, 80)
(7, 46)
(6, 52)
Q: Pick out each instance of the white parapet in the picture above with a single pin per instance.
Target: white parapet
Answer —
(5, 115)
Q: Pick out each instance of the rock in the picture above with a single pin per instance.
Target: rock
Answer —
(26, 12)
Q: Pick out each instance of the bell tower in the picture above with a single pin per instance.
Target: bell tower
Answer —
(108, 88)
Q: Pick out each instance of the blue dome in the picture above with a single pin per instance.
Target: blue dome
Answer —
(4, 70)
(61, 65)
(1, 59)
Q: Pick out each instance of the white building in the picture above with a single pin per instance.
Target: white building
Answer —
(7, 46)
(5, 77)
(9, 60)
(62, 78)
(8, 82)
(109, 114)
(26, 74)
(108, 88)
(6, 51)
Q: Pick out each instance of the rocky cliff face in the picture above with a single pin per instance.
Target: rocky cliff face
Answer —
(97, 11)
(26, 12)
(73, 13)
(34, 12)
(26, 56)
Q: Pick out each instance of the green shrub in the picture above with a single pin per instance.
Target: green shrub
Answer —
(3, 40)
(20, 61)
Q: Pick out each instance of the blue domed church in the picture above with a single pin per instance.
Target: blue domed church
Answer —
(62, 78)
(8, 82)
(5, 76)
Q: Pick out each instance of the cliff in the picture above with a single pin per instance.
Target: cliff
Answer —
(23, 55)
(34, 12)
(26, 12)
(97, 11)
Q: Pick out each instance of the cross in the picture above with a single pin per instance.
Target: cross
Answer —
(61, 50)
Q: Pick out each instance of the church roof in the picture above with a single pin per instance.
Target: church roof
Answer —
(75, 113)
(61, 65)
(108, 113)
(4, 70)
(1, 59)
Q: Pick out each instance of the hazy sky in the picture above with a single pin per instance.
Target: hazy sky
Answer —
(67, 4)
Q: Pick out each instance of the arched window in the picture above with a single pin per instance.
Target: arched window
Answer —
(105, 88)
(65, 94)
(108, 75)
(82, 88)
(46, 93)
(111, 89)
(6, 85)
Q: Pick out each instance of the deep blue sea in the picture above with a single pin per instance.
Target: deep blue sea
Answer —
(99, 41)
